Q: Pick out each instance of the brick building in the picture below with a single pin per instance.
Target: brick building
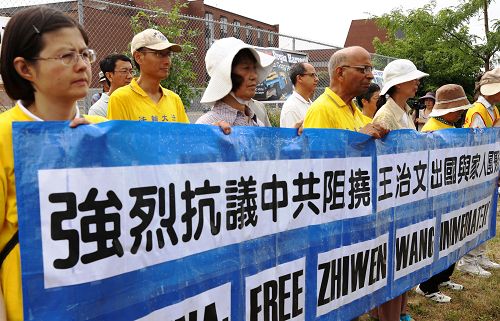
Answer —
(362, 32)
(109, 28)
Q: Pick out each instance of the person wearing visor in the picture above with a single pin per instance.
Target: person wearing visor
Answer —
(401, 80)
(451, 103)
(235, 69)
(144, 98)
(105, 88)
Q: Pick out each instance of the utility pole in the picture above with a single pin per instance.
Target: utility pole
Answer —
(486, 31)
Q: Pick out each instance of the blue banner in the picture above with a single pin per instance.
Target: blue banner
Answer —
(149, 221)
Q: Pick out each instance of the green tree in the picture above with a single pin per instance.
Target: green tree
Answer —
(440, 44)
(174, 26)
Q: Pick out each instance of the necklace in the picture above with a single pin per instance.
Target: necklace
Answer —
(444, 121)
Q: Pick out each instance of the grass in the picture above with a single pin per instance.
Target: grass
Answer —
(479, 301)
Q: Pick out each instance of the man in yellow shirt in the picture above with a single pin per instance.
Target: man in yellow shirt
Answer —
(144, 98)
(350, 71)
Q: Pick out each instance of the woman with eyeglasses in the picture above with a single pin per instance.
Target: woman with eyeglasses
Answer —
(45, 66)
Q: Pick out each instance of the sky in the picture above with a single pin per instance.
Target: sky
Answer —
(328, 21)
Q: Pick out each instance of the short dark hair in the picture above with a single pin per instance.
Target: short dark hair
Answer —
(23, 38)
(296, 70)
(367, 95)
(237, 80)
(108, 64)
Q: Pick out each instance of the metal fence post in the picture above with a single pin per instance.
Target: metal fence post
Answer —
(80, 11)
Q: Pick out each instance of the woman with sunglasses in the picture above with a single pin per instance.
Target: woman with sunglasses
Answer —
(45, 66)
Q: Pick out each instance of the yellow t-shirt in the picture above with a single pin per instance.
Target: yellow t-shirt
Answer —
(433, 124)
(10, 271)
(132, 103)
(330, 111)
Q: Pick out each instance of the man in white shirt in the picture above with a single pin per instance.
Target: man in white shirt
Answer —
(118, 72)
(304, 80)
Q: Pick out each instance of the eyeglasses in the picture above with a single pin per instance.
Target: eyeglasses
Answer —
(362, 69)
(312, 74)
(125, 71)
(70, 58)
(159, 54)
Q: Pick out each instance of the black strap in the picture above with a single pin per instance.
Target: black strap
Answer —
(9, 246)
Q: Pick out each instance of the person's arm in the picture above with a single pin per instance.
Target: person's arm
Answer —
(473, 119)
(3, 313)
(374, 130)
(384, 120)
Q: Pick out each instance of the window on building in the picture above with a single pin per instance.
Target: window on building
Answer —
(259, 37)
(270, 39)
(237, 29)
(223, 27)
(209, 29)
(249, 34)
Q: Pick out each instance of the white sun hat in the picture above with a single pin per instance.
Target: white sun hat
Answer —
(154, 40)
(449, 98)
(490, 82)
(218, 62)
(398, 72)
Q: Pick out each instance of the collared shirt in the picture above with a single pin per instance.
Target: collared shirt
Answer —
(100, 107)
(234, 117)
(10, 273)
(330, 111)
(482, 114)
(392, 117)
(294, 110)
(131, 102)
(433, 124)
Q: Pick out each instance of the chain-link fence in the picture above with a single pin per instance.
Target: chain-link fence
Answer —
(110, 29)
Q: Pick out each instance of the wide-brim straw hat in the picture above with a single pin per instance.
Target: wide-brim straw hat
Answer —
(219, 59)
(398, 72)
(449, 98)
(490, 82)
